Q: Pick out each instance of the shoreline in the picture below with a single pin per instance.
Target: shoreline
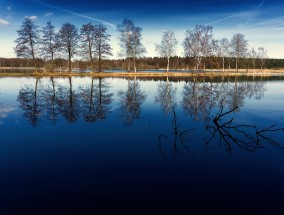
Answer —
(180, 73)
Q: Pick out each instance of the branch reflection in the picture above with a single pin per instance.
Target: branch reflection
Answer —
(246, 136)
(180, 138)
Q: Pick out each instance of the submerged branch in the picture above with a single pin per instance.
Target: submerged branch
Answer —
(180, 136)
(238, 134)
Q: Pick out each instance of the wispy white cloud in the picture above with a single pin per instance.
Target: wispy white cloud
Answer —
(48, 14)
(260, 5)
(221, 20)
(243, 17)
(74, 13)
(32, 17)
(4, 22)
(277, 22)
(90, 18)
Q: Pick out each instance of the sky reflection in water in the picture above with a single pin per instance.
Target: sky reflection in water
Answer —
(83, 144)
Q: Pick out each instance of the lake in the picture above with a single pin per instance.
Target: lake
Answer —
(103, 146)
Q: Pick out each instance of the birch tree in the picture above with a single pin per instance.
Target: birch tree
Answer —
(198, 43)
(167, 47)
(130, 41)
(225, 50)
(253, 55)
(28, 40)
(239, 47)
(262, 56)
(68, 41)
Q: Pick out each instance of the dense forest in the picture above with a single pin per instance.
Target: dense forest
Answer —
(145, 63)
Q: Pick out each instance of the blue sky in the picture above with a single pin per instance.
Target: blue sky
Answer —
(261, 21)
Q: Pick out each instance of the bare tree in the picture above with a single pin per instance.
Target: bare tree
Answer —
(101, 44)
(253, 55)
(95, 43)
(28, 39)
(262, 56)
(239, 47)
(87, 35)
(68, 41)
(167, 46)
(225, 50)
(48, 42)
(130, 41)
(198, 43)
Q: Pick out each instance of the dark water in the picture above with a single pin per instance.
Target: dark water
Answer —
(104, 146)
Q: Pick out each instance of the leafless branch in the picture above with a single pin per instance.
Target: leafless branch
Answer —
(238, 134)
(180, 136)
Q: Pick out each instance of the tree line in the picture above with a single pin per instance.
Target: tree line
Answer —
(143, 63)
(91, 46)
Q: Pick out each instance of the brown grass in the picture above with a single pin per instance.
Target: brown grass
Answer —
(241, 72)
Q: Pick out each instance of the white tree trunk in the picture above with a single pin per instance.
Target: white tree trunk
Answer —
(134, 64)
(168, 64)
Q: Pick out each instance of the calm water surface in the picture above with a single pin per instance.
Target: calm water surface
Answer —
(94, 146)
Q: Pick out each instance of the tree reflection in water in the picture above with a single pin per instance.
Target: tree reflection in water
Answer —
(166, 96)
(68, 102)
(199, 98)
(96, 100)
(52, 100)
(130, 102)
(31, 102)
